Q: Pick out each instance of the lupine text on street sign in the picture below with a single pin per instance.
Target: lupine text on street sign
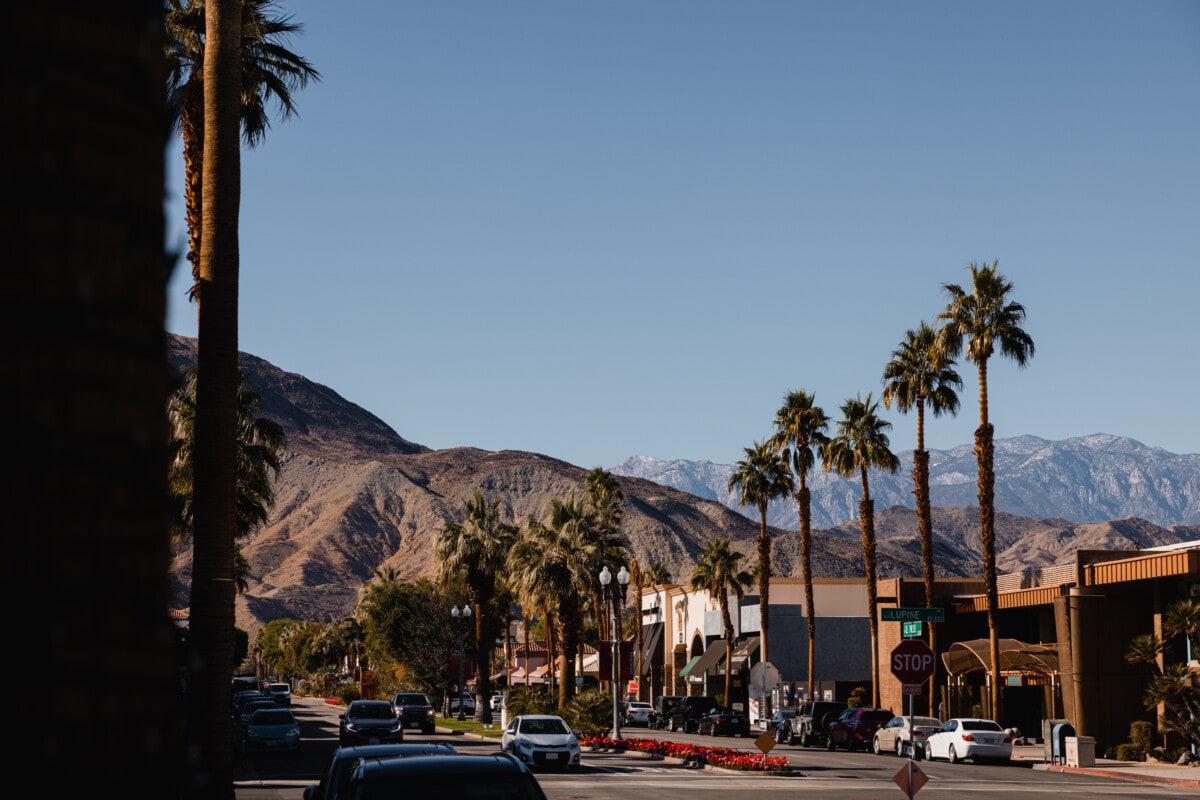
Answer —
(913, 614)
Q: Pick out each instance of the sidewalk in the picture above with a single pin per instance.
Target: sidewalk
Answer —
(1143, 771)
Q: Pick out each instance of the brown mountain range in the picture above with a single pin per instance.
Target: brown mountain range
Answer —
(354, 497)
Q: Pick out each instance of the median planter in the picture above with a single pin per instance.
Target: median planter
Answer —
(723, 757)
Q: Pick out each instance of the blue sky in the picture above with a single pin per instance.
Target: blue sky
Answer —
(595, 230)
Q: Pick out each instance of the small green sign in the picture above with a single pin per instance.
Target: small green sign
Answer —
(913, 614)
(911, 629)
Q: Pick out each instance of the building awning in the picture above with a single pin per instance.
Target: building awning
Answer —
(714, 654)
(743, 651)
(683, 673)
(975, 656)
(651, 634)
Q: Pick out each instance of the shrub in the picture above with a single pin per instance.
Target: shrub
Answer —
(1140, 733)
(531, 700)
(346, 692)
(1127, 751)
(590, 712)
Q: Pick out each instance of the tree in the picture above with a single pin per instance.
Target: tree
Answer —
(269, 71)
(921, 375)
(656, 574)
(85, 382)
(761, 477)
(604, 499)
(861, 444)
(1175, 687)
(211, 619)
(550, 567)
(259, 441)
(717, 572)
(800, 428)
(477, 549)
(978, 321)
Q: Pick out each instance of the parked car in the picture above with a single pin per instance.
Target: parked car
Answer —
(542, 740)
(969, 737)
(781, 717)
(249, 708)
(273, 729)
(808, 728)
(664, 705)
(637, 713)
(244, 683)
(281, 692)
(892, 737)
(497, 775)
(497, 702)
(685, 716)
(369, 722)
(854, 728)
(723, 721)
(336, 774)
(243, 698)
(415, 711)
(466, 701)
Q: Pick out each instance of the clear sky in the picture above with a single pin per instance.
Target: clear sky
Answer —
(597, 229)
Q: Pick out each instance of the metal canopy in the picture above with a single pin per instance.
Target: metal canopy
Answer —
(687, 668)
(651, 635)
(743, 651)
(714, 653)
(974, 656)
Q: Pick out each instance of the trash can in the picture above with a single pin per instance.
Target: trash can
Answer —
(1081, 751)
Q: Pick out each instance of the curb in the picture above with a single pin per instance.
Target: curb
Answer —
(1124, 775)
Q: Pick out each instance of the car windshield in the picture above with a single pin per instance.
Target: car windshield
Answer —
(544, 726)
(412, 699)
(877, 716)
(372, 711)
(272, 718)
(980, 725)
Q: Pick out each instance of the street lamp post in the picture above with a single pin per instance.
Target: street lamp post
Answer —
(622, 585)
(459, 618)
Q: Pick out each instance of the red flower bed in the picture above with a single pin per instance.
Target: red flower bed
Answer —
(717, 756)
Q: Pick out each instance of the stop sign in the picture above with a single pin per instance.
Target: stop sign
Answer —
(912, 662)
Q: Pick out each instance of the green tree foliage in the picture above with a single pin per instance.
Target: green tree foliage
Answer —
(718, 572)
(406, 629)
(1174, 687)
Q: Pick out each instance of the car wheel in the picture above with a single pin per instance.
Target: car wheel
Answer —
(805, 739)
(875, 746)
(952, 756)
(830, 745)
(899, 747)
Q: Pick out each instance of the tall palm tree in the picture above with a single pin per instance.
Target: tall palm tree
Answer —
(477, 549)
(87, 377)
(920, 375)
(551, 567)
(657, 574)
(978, 321)
(800, 428)
(861, 444)
(604, 499)
(211, 616)
(717, 572)
(269, 71)
(761, 477)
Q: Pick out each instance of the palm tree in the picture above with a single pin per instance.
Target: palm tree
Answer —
(1174, 687)
(211, 616)
(657, 574)
(979, 321)
(551, 567)
(800, 427)
(861, 444)
(717, 572)
(477, 549)
(761, 477)
(921, 375)
(88, 381)
(604, 499)
(269, 70)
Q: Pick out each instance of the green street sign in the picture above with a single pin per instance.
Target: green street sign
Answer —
(913, 614)
(910, 629)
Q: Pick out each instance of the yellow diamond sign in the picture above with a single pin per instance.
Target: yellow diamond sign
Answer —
(765, 743)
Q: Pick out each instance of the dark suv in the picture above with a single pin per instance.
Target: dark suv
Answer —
(415, 711)
(855, 728)
(808, 728)
(686, 716)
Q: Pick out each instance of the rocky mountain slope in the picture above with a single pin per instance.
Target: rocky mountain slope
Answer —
(355, 497)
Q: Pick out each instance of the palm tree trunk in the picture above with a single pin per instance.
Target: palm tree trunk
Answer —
(804, 501)
(212, 601)
(984, 450)
(764, 594)
(866, 511)
(925, 524)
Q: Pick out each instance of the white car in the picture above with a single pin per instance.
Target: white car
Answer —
(969, 737)
(638, 713)
(542, 740)
(891, 738)
(467, 702)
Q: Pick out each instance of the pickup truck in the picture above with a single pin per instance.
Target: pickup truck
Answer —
(415, 711)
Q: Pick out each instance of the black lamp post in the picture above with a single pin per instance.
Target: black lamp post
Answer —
(460, 618)
(622, 585)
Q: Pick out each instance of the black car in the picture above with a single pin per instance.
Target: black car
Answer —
(336, 774)
(780, 722)
(722, 721)
(460, 775)
(686, 716)
(808, 727)
(415, 711)
(369, 722)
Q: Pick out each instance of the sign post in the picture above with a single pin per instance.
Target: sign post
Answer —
(912, 663)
